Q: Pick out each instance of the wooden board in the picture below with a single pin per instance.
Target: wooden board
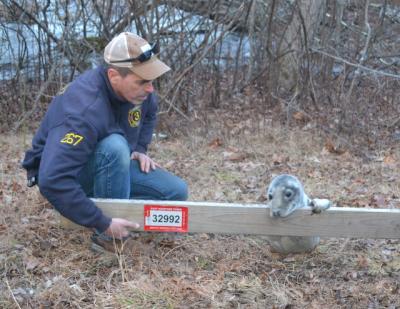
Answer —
(206, 217)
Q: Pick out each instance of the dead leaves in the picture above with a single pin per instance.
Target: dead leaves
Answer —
(219, 170)
(372, 201)
(378, 201)
(31, 262)
(363, 262)
(215, 143)
(300, 117)
(279, 159)
(389, 159)
(230, 154)
(331, 147)
(384, 262)
(234, 156)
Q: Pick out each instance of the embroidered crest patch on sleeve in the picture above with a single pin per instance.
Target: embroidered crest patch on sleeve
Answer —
(134, 116)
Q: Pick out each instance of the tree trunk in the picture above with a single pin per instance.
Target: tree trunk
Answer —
(305, 22)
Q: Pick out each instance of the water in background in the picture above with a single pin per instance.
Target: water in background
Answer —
(21, 43)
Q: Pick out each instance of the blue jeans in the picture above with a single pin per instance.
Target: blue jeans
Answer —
(110, 173)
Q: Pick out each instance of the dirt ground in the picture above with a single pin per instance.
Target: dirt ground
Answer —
(44, 266)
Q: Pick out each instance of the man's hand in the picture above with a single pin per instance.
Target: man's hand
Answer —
(145, 162)
(119, 228)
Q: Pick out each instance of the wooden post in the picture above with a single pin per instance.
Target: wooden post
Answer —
(230, 218)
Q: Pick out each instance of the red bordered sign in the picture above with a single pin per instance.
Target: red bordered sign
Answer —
(165, 218)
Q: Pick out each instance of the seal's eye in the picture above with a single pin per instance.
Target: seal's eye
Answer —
(288, 193)
(270, 197)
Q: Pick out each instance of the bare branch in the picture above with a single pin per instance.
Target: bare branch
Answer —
(357, 65)
(36, 101)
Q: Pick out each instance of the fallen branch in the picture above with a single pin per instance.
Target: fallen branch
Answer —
(355, 64)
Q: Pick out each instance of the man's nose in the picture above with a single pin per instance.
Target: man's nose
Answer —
(149, 87)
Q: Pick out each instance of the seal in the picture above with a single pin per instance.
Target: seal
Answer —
(285, 195)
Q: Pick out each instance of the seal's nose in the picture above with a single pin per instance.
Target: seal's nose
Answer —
(276, 213)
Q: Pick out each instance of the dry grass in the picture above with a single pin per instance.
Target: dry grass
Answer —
(43, 266)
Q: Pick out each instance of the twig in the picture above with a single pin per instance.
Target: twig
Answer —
(363, 53)
(205, 51)
(36, 21)
(12, 294)
(173, 249)
(37, 99)
(324, 128)
(175, 108)
(102, 20)
(355, 64)
(395, 123)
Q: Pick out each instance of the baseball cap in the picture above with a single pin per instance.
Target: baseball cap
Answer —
(129, 50)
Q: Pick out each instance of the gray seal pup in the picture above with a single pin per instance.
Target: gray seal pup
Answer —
(285, 195)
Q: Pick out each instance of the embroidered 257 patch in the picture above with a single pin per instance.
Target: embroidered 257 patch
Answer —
(72, 139)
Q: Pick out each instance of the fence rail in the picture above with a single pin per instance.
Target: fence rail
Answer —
(230, 218)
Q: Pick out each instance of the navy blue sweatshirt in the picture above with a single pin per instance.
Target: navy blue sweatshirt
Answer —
(85, 113)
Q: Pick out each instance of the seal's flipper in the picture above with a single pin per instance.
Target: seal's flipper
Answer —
(320, 204)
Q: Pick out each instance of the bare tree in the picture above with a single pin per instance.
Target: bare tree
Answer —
(308, 55)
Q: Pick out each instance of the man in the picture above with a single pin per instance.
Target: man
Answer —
(93, 140)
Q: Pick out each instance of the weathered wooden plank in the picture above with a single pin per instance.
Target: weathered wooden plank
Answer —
(206, 217)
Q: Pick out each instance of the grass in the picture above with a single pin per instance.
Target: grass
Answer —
(44, 266)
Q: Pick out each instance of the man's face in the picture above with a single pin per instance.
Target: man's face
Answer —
(131, 87)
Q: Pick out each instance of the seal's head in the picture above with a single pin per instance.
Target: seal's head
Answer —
(285, 194)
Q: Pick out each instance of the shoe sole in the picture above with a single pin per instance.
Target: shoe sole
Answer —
(99, 249)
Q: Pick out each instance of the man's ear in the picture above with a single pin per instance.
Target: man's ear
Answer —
(113, 75)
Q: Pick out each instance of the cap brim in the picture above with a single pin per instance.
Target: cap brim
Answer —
(151, 69)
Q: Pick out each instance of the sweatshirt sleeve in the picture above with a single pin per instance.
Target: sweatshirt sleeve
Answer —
(148, 125)
(67, 149)
(31, 161)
